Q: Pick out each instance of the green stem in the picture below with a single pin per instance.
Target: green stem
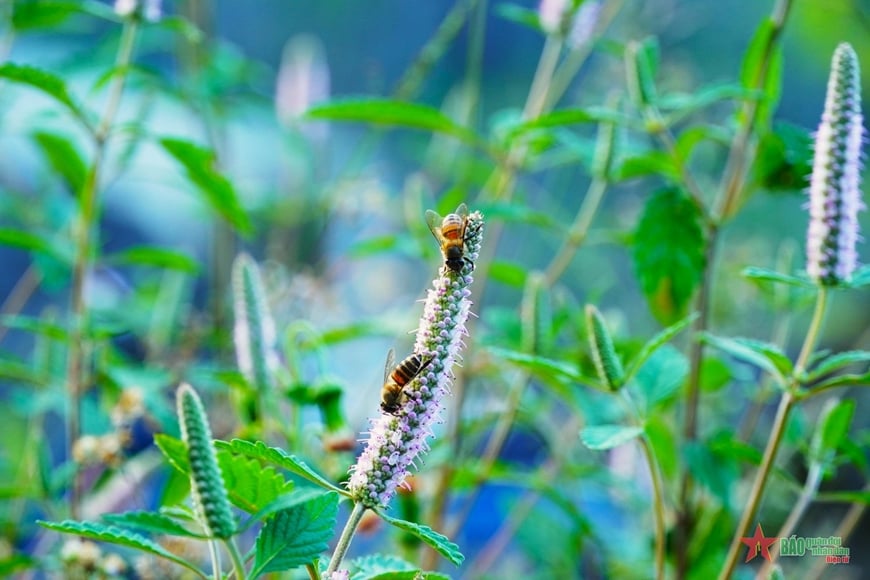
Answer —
(786, 403)
(215, 554)
(808, 493)
(236, 557)
(346, 536)
(658, 505)
(733, 179)
(77, 352)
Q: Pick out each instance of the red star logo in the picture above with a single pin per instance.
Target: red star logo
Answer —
(757, 542)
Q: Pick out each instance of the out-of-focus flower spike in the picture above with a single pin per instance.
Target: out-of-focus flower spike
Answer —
(835, 195)
(303, 80)
(604, 355)
(395, 442)
(150, 10)
(254, 330)
(206, 481)
(574, 20)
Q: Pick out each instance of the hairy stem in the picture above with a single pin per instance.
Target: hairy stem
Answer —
(786, 403)
(346, 536)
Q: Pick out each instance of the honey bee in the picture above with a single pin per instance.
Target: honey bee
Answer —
(396, 377)
(451, 231)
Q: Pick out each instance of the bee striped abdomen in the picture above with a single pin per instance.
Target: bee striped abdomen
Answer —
(452, 226)
(406, 370)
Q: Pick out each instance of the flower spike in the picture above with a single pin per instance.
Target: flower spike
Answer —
(395, 441)
(835, 195)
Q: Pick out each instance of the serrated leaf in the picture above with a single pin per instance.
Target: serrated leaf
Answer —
(745, 353)
(44, 81)
(151, 522)
(391, 113)
(656, 342)
(200, 166)
(668, 253)
(766, 275)
(174, 450)
(154, 257)
(661, 376)
(64, 158)
(602, 437)
(115, 535)
(367, 567)
(296, 536)
(842, 381)
(279, 457)
(250, 485)
(286, 501)
(433, 539)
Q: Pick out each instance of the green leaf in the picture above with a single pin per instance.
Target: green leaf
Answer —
(174, 450)
(542, 365)
(296, 536)
(784, 158)
(42, 14)
(283, 502)
(433, 539)
(661, 433)
(712, 468)
(392, 113)
(114, 535)
(151, 522)
(602, 437)
(250, 485)
(766, 275)
(566, 117)
(64, 158)
(668, 252)
(656, 342)
(155, 257)
(836, 362)
(43, 81)
(859, 497)
(279, 457)
(761, 74)
(832, 429)
(508, 273)
(518, 14)
(764, 357)
(773, 353)
(661, 376)
(641, 64)
(38, 326)
(842, 381)
(200, 164)
(861, 277)
(686, 103)
(34, 243)
(646, 164)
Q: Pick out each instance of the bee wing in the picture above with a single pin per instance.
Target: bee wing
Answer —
(462, 211)
(391, 363)
(433, 220)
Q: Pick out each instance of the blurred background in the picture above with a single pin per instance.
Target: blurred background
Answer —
(333, 212)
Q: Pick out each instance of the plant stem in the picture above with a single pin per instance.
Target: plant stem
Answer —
(236, 557)
(786, 403)
(346, 536)
(844, 530)
(215, 554)
(733, 179)
(88, 212)
(811, 486)
(658, 505)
